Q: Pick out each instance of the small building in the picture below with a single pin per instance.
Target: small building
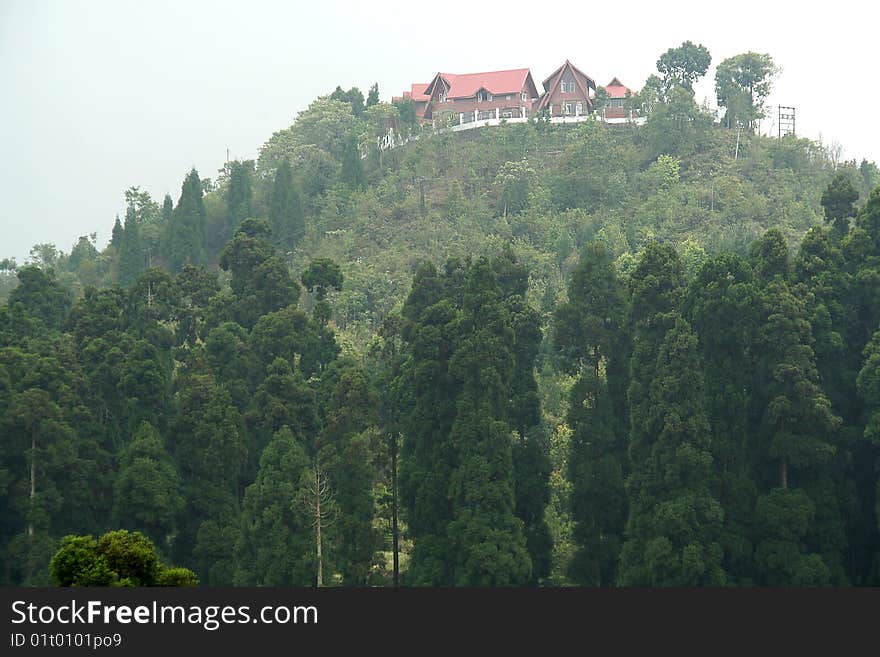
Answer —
(471, 97)
(417, 95)
(566, 93)
(618, 105)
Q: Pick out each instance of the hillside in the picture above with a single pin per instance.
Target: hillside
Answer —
(605, 355)
(546, 190)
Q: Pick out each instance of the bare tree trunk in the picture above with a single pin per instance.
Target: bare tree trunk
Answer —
(394, 532)
(783, 473)
(318, 498)
(318, 534)
(33, 480)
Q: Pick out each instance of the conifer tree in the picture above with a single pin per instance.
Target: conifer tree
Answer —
(211, 451)
(674, 525)
(116, 234)
(239, 195)
(721, 305)
(186, 230)
(286, 212)
(373, 95)
(167, 210)
(588, 336)
(485, 536)
(344, 452)
(352, 171)
(147, 489)
(275, 547)
(838, 202)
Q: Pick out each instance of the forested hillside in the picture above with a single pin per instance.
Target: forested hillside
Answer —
(522, 355)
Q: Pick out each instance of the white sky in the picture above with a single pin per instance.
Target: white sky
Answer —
(98, 96)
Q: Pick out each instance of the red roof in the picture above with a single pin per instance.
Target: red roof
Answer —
(495, 82)
(616, 89)
(417, 92)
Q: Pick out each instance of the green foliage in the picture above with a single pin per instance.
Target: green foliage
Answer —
(321, 276)
(286, 208)
(275, 547)
(457, 474)
(684, 65)
(644, 360)
(674, 525)
(147, 488)
(186, 230)
(514, 181)
(118, 558)
(838, 202)
(742, 83)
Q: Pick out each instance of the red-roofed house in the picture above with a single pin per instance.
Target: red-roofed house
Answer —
(618, 94)
(417, 94)
(566, 92)
(481, 96)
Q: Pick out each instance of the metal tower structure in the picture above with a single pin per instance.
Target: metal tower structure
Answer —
(785, 121)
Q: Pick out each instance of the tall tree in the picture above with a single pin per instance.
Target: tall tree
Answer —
(147, 489)
(684, 65)
(345, 455)
(373, 95)
(239, 194)
(485, 535)
(286, 212)
(742, 83)
(838, 202)
(589, 332)
(275, 546)
(721, 304)
(261, 282)
(674, 526)
(186, 231)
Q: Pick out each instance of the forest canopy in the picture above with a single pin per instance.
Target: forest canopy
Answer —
(533, 354)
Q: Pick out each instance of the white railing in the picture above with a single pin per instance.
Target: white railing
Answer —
(392, 140)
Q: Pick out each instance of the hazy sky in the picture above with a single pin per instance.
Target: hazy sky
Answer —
(98, 96)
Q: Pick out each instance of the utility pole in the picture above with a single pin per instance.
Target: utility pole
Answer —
(395, 535)
(738, 131)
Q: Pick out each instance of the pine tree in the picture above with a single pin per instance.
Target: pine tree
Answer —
(211, 451)
(286, 212)
(674, 525)
(167, 210)
(186, 230)
(485, 535)
(345, 455)
(373, 95)
(275, 546)
(352, 171)
(116, 235)
(721, 304)
(838, 202)
(147, 489)
(239, 195)
(589, 336)
(261, 282)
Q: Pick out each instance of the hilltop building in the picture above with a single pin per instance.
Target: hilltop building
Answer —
(617, 106)
(463, 100)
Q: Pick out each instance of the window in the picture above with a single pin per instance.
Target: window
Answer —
(568, 109)
(523, 96)
(567, 87)
(579, 109)
(484, 95)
